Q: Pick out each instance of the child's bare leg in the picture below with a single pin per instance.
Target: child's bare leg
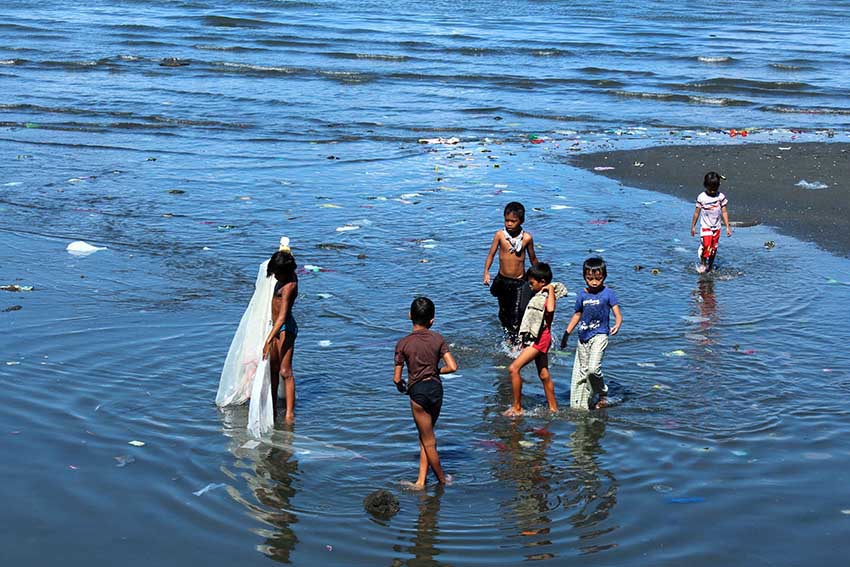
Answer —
(427, 443)
(542, 363)
(274, 367)
(515, 369)
(287, 350)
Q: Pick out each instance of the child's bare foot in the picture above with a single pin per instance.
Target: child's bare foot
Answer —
(602, 403)
(512, 412)
(553, 409)
(407, 485)
(289, 418)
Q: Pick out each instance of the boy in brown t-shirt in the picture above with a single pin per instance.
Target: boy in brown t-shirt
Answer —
(422, 350)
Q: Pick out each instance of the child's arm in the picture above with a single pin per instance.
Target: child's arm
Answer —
(726, 220)
(532, 256)
(549, 307)
(570, 326)
(283, 312)
(490, 255)
(399, 383)
(618, 319)
(449, 364)
(694, 221)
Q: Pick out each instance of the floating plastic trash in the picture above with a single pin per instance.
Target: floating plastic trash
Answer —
(81, 248)
(207, 488)
(603, 168)
(347, 228)
(16, 287)
(330, 206)
(124, 460)
(325, 343)
(324, 295)
(448, 141)
(814, 185)
(560, 207)
(646, 364)
(135, 443)
(677, 352)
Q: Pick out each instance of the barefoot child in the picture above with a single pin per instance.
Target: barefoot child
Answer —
(593, 305)
(510, 286)
(536, 334)
(711, 205)
(422, 351)
(280, 343)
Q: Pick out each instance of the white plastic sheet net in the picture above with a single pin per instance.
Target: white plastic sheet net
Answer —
(246, 376)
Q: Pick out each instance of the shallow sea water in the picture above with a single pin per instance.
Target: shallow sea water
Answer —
(725, 445)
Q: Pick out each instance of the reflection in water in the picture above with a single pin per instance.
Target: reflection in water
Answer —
(279, 466)
(424, 543)
(707, 314)
(595, 493)
(271, 472)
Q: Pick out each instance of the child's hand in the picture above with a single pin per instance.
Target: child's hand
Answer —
(728, 232)
(401, 386)
(564, 340)
(614, 329)
(266, 349)
(693, 231)
(486, 278)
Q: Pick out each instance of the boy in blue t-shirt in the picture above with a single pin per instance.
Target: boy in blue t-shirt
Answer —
(593, 305)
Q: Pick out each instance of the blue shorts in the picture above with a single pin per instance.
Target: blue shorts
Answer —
(290, 326)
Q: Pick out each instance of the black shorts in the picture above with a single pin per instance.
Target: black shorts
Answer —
(429, 395)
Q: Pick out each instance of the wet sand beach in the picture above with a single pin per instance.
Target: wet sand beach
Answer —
(763, 182)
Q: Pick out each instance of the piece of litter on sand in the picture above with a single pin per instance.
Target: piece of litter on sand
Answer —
(803, 184)
(207, 488)
(677, 352)
(325, 343)
(135, 443)
(124, 460)
(81, 248)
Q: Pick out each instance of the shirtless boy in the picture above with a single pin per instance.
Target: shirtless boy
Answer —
(510, 285)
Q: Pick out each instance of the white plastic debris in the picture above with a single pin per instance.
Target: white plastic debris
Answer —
(81, 248)
(814, 185)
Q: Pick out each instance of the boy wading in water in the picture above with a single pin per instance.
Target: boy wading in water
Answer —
(510, 286)
(711, 206)
(422, 351)
(536, 334)
(593, 305)
(280, 344)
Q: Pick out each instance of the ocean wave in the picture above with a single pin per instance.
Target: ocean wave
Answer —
(553, 52)
(262, 69)
(691, 99)
(719, 84)
(232, 48)
(790, 67)
(370, 56)
(784, 109)
(231, 22)
(715, 59)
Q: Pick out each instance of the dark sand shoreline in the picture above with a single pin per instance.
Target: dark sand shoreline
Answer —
(760, 182)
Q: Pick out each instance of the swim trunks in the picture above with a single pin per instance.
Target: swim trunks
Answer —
(710, 240)
(513, 295)
(429, 395)
(544, 341)
(290, 326)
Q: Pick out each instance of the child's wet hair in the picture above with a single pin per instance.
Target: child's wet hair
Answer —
(281, 263)
(711, 181)
(540, 272)
(422, 311)
(595, 264)
(515, 208)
